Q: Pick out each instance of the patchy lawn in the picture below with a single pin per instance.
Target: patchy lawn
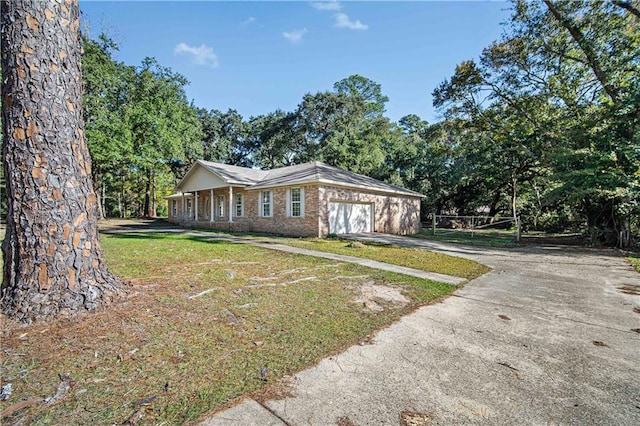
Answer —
(201, 321)
(409, 257)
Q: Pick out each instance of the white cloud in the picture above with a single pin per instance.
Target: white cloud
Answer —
(250, 20)
(342, 21)
(295, 36)
(329, 5)
(202, 55)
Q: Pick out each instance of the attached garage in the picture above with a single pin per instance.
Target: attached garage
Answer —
(304, 200)
(348, 218)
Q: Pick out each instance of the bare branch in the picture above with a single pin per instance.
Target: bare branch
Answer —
(587, 49)
(628, 6)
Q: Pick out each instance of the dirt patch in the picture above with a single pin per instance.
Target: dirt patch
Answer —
(345, 421)
(371, 295)
(412, 418)
(281, 389)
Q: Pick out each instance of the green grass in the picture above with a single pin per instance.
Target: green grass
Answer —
(266, 309)
(409, 257)
(634, 259)
(482, 238)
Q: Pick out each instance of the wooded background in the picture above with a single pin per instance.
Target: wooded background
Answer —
(545, 125)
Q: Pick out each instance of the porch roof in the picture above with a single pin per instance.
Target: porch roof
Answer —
(205, 175)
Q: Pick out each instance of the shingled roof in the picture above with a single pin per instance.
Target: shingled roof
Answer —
(300, 174)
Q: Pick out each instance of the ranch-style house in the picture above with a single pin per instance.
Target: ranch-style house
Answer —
(310, 200)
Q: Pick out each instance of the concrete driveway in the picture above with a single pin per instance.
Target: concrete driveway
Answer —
(545, 338)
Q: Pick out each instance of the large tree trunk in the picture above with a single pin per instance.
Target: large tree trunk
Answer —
(53, 262)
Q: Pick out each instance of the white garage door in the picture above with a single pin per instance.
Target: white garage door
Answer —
(347, 218)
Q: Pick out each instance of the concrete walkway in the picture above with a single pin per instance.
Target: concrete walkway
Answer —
(547, 337)
(358, 260)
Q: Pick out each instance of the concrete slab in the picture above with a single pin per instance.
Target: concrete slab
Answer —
(545, 338)
(248, 413)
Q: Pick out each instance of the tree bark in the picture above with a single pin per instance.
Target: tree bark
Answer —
(53, 261)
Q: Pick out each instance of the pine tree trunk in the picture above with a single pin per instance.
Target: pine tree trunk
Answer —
(53, 261)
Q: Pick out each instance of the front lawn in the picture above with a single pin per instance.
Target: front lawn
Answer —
(201, 321)
(409, 257)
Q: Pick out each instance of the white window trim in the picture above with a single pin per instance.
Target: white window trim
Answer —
(261, 204)
(238, 197)
(220, 211)
(289, 201)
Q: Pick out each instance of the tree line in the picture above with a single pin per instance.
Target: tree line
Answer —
(545, 126)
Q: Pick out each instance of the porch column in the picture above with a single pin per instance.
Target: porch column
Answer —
(195, 211)
(182, 211)
(230, 204)
(211, 207)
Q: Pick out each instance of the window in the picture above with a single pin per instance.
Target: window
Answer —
(295, 202)
(239, 206)
(265, 204)
(189, 209)
(220, 205)
(174, 208)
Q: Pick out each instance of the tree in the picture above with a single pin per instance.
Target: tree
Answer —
(164, 127)
(53, 262)
(345, 128)
(107, 87)
(559, 93)
(274, 140)
(369, 92)
(224, 137)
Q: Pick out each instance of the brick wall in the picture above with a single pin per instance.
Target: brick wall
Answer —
(391, 214)
(278, 223)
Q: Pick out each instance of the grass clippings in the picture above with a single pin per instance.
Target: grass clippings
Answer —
(162, 356)
(415, 258)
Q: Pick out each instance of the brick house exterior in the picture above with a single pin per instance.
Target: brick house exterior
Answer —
(310, 200)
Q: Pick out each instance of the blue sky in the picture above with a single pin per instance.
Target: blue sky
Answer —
(257, 57)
